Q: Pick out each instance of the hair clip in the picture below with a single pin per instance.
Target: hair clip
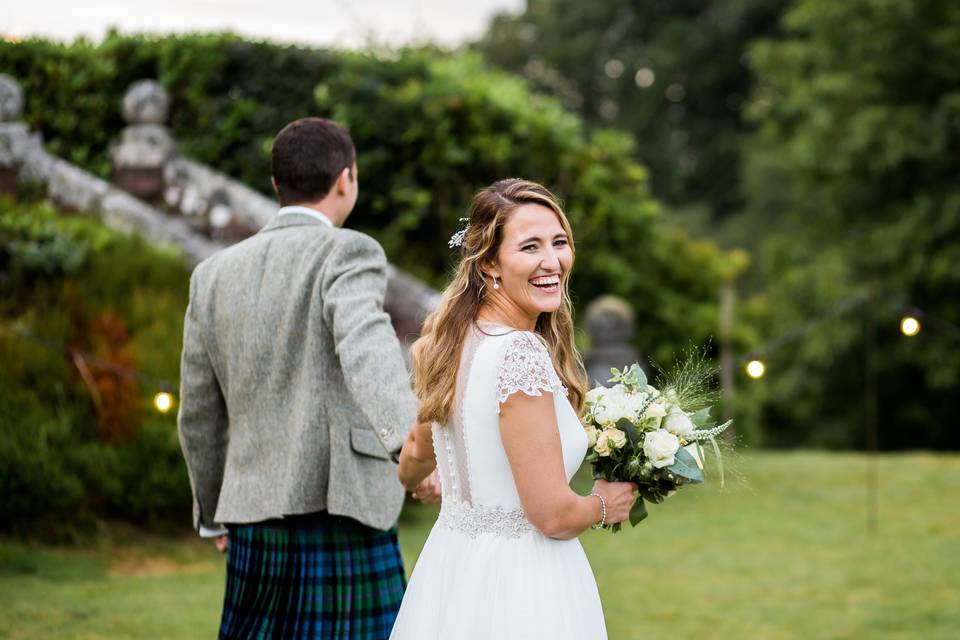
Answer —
(456, 239)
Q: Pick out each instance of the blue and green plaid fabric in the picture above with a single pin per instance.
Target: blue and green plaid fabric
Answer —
(320, 576)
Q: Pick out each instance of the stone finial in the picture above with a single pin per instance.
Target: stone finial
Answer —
(146, 102)
(143, 145)
(610, 324)
(11, 99)
(610, 320)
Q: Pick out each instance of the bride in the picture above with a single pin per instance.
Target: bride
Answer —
(500, 386)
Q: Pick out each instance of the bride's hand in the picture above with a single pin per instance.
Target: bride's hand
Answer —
(618, 497)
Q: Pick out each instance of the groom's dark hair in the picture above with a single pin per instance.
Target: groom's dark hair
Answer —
(307, 157)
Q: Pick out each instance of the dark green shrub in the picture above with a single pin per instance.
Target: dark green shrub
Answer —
(59, 277)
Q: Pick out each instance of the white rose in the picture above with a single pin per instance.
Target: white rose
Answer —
(661, 447)
(603, 445)
(592, 434)
(655, 411)
(635, 402)
(613, 407)
(595, 394)
(615, 438)
(678, 423)
(618, 404)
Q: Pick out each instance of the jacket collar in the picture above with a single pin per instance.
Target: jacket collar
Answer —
(292, 216)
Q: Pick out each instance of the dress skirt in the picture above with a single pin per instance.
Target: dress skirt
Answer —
(492, 587)
(317, 576)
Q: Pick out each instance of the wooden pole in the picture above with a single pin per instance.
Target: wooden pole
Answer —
(727, 362)
(870, 415)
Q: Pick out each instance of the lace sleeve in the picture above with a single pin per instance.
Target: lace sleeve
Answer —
(526, 366)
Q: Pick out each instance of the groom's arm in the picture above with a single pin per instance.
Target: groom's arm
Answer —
(201, 421)
(353, 286)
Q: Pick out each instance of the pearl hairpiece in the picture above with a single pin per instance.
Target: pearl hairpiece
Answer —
(457, 239)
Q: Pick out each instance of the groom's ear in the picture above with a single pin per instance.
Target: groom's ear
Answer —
(273, 181)
(343, 181)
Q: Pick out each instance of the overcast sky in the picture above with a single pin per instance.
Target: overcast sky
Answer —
(344, 23)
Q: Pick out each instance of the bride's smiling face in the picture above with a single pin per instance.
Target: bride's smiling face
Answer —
(533, 260)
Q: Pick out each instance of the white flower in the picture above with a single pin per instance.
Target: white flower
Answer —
(616, 438)
(635, 402)
(592, 434)
(655, 411)
(616, 404)
(603, 445)
(595, 395)
(609, 441)
(678, 423)
(661, 447)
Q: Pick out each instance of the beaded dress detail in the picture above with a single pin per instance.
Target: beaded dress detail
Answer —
(485, 570)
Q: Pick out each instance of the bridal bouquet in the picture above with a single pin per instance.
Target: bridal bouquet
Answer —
(638, 433)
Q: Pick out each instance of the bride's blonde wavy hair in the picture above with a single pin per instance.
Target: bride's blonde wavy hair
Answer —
(436, 354)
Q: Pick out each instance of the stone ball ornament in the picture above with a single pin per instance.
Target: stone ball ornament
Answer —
(610, 320)
(11, 99)
(146, 102)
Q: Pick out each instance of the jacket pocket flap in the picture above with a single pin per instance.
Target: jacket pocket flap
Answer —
(366, 442)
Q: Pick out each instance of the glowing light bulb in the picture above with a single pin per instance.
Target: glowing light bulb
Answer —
(756, 369)
(163, 401)
(910, 326)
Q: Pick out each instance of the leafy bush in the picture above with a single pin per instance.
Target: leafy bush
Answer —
(855, 158)
(431, 128)
(72, 447)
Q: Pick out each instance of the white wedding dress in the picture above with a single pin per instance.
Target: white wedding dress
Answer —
(485, 572)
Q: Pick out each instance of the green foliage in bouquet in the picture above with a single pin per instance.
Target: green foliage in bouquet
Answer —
(652, 437)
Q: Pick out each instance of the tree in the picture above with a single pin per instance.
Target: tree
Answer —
(671, 73)
(856, 156)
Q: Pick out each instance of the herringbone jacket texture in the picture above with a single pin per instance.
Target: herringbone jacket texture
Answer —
(293, 387)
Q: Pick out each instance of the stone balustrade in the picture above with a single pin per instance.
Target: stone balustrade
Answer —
(162, 196)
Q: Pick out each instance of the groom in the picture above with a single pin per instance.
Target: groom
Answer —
(294, 402)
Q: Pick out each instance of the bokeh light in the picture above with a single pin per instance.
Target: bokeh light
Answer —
(163, 401)
(909, 326)
(644, 77)
(756, 369)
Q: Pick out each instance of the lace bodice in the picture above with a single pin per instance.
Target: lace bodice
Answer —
(479, 493)
(526, 367)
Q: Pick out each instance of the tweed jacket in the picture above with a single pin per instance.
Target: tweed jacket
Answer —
(293, 389)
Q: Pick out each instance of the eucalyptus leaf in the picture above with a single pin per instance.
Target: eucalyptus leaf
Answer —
(640, 376)
(627, 427)
(702, 419)
(638, 512)
(686, 466)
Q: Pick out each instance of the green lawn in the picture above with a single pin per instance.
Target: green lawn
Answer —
(783, 553)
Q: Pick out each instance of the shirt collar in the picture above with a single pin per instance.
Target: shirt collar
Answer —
(307, 211)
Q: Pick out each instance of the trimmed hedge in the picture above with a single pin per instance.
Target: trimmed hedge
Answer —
(431, 128)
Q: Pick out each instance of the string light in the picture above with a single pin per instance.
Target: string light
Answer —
(909, 326)
(163, 401)
(756, 369)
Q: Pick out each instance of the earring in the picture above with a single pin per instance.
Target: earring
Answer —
(496, 285)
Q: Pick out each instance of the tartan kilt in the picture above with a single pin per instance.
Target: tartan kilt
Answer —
(317, 576)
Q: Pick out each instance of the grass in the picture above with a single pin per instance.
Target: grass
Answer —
(784, 552)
